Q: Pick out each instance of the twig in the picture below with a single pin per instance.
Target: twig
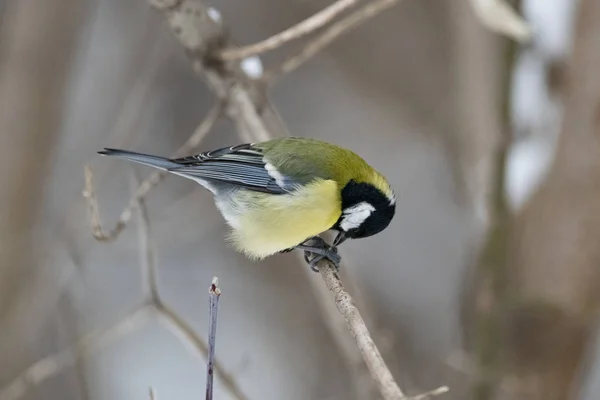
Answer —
(187, 336)
(333, 32)
(154, 179)
(213, 298)
(184, 331)
(147, 254)
(433, 393)
(356, 325)
(364, 386)
(297, 31)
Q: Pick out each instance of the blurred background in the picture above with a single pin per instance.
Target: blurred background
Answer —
(488, 279)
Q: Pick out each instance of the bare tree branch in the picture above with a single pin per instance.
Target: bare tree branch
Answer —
(154, 179)
(430, 394)
(297, 31)
(331, 33)
(147, 254)
(356, 325)
(213, 295)
(188, 337)
(364, 386)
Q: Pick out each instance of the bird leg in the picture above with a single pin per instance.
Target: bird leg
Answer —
(315, 249)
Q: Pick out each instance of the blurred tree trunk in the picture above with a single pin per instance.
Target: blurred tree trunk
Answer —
(553, 257)
(479, 85)
(555, 252)
(481, 148)
(38, 38)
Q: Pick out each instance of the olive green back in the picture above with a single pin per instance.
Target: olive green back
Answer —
(304, 159)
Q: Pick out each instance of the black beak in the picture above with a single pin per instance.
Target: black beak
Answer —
(339, 239)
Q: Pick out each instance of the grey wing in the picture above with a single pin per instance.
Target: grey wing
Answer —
(240, 165)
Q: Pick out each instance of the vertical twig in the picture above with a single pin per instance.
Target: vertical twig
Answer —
(213, 299)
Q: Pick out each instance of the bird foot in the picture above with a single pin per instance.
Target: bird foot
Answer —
(315, 249)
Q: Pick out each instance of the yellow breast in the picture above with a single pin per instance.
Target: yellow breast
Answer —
(271, 223)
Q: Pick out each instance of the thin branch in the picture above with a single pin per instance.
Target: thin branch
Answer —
(148, 184)
(356, 325)
(297, 31)
(427, 395)
(213, 297)
(152, 394)
(364, 386)
(147, 254)
(187, 336)
(331, 33)
(183, 330)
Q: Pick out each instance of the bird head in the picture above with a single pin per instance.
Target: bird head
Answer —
(366, 211)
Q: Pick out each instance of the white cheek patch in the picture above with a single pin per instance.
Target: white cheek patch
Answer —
(273, 173)
(354, 216)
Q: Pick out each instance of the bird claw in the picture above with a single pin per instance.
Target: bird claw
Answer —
(316, 249)
(313, 258)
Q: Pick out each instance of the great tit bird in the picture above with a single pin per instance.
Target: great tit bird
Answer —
(279, 195)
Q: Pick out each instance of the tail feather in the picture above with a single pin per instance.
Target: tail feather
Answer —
(146, 159)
